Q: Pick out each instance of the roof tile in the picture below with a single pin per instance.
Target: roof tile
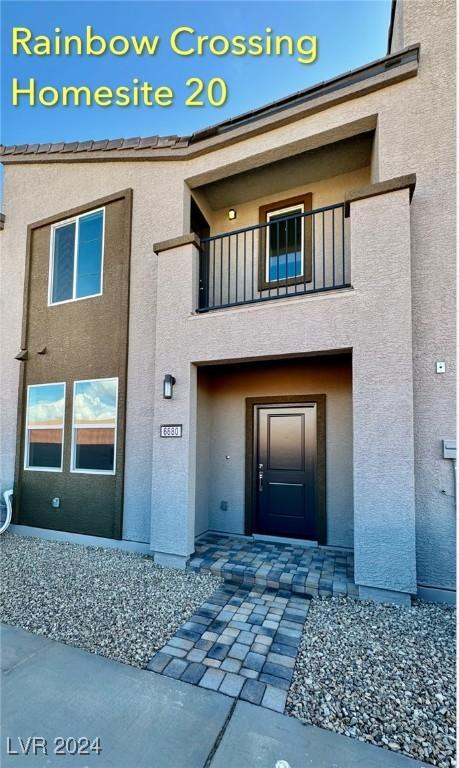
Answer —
(167, 141)
(114, 144)
(98, 145)
(131, 143)
(84, 146)
(148, 141)
(70, 146)
(43, 148)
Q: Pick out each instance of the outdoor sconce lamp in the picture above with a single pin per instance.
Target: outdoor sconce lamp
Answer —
(168, 384)
(232, 214)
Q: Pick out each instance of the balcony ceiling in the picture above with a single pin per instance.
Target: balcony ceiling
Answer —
(315, 165)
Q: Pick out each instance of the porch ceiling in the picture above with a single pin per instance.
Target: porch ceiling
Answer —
(308, 167)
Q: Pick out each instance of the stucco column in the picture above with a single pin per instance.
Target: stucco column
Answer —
(384, 507)
(174, 459)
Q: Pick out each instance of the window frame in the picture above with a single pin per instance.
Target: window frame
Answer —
(278, 212)
(27, 428)
(277, 206)
(73, 469)
(74, 220)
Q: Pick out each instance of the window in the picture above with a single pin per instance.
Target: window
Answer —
(285, 237)
(76, 263)
(45, 427)
(285, 244)
(95, 405)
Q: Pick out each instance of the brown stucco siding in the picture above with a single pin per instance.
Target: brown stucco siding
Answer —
(85, 339)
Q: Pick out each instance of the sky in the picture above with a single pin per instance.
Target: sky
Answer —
(349, 34)
(46, 404)
(94, 401)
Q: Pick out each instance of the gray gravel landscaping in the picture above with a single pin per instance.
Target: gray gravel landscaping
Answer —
(380, 673)
(109, 602)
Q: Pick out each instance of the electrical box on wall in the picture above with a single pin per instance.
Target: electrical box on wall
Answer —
(449, 449)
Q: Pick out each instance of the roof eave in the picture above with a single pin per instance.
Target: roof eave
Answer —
(354, 84)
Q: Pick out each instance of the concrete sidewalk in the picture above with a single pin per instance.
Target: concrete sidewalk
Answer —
(145, 720)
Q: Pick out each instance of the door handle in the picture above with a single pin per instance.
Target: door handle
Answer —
(260, 478)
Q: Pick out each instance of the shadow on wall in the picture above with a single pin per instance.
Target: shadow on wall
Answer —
(222, 392)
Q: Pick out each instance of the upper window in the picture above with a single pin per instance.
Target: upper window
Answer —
(285, 243)
(76, 265)
(95, 405)
(45, 427)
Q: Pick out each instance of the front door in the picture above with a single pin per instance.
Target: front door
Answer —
(285, 470)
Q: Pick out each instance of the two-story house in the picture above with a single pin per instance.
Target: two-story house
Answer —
(249, 330)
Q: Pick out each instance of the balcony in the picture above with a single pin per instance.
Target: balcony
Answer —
(291, 254)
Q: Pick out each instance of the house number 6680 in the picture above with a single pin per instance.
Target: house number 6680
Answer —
(216, 91)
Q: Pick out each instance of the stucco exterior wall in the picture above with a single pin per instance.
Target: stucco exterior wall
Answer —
(374, 320)
(160, 211)
(426, 145)
(383, 393)
(234, 263)
(154, 215)
(204, 430)
(325, 192)
(221, 394)
(397, 42)
(414, 133)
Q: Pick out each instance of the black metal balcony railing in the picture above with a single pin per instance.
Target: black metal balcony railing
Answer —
(288, 256)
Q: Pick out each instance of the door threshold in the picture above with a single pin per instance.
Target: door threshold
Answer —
(285, 540)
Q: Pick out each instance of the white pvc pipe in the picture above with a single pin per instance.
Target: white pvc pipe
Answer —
(8, 496)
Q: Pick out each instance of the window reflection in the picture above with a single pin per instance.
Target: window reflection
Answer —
(45, 426)
(94, 425)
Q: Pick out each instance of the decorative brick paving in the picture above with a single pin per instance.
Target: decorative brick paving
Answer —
(241, 642)
(244, 640)
(322, 571)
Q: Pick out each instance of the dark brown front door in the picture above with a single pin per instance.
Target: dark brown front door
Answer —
(285, 471)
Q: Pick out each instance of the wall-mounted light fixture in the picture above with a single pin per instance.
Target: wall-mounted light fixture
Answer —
(168, 385)
(232, 214)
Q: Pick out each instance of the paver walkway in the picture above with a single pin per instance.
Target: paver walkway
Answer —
(240, 642)
(302, 569)
(244, 640)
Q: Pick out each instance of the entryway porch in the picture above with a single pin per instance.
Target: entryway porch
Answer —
(203, 483)
(274, 450)
(290, 568)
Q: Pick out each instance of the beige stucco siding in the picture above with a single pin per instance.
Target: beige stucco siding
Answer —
(203, 454)
(420, 135)
(397, 42)
(325, 192)
(414, 122)
(221, 432)
(234, 268)
(374, 320)
(66, 187)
